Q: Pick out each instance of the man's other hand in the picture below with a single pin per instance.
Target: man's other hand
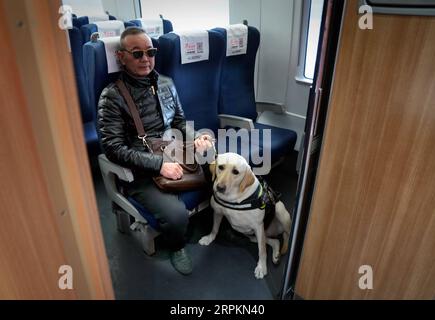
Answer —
(203, 143)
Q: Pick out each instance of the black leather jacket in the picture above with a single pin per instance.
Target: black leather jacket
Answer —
(117, 132)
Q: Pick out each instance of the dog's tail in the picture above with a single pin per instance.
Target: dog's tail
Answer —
(284, 217)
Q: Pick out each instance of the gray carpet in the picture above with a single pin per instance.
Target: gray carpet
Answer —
(223, 270)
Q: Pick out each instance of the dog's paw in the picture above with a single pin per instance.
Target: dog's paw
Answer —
(275, 258)
(206, 240)
(276, 255)
(260, 271)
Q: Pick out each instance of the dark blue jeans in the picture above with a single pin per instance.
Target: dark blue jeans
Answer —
(167, 208)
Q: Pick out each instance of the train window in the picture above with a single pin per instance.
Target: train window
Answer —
(191, 14)
(312, 17)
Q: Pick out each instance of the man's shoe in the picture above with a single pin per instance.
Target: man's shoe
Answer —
(181, 261)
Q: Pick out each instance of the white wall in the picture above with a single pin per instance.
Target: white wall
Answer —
(297, 92)
(276, 30)
(124, 10)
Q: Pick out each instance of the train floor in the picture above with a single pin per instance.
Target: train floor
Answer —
(222, 270)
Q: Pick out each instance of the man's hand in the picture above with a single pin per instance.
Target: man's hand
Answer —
(171, 170)
(203, 143)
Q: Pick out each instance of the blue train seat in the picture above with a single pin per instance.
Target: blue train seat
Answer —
(152, 26)
(198, 85)
(237, 96)
(197, 82)
(87, 111)
(111, 28)
(80, 21)
(99, 75)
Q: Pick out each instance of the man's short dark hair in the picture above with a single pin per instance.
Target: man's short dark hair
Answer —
(130, 31)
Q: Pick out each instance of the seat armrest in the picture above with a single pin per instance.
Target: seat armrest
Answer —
(270, 106)
(107, 166)
(109, 170)
(235, 121)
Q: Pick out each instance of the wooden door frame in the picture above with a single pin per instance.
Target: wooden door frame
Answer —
(371, 214)
(329, 37)
(41, 71)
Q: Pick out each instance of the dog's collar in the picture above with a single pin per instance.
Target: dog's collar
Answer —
(255, 201)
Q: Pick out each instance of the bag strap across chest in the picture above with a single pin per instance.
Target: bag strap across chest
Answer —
(134, 112)
(132, 107)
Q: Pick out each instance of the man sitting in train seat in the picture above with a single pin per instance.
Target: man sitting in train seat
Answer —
(158, 112)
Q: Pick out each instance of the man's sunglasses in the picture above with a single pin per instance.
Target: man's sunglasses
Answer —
(138, 54)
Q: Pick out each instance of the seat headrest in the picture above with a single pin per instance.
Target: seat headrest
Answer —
(194, 46)
(98, 18)
(110, 28)
(237, 39)
(111, 45)
(152, 27)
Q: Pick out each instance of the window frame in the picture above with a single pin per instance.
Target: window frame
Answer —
(303, 43)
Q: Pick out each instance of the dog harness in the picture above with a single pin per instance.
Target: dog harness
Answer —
(263, 198)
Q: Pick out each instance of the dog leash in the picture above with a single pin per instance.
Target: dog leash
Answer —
(213, 143)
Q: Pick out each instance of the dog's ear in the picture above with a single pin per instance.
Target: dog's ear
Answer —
(248, 180)
(212, 168)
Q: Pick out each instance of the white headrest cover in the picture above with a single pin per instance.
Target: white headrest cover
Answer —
(112, 45)
(194, 46)
(111, 28)
(237, 39)
(152, 27)
(100, 17)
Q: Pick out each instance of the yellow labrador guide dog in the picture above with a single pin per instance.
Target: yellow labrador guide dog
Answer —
(242, 199)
